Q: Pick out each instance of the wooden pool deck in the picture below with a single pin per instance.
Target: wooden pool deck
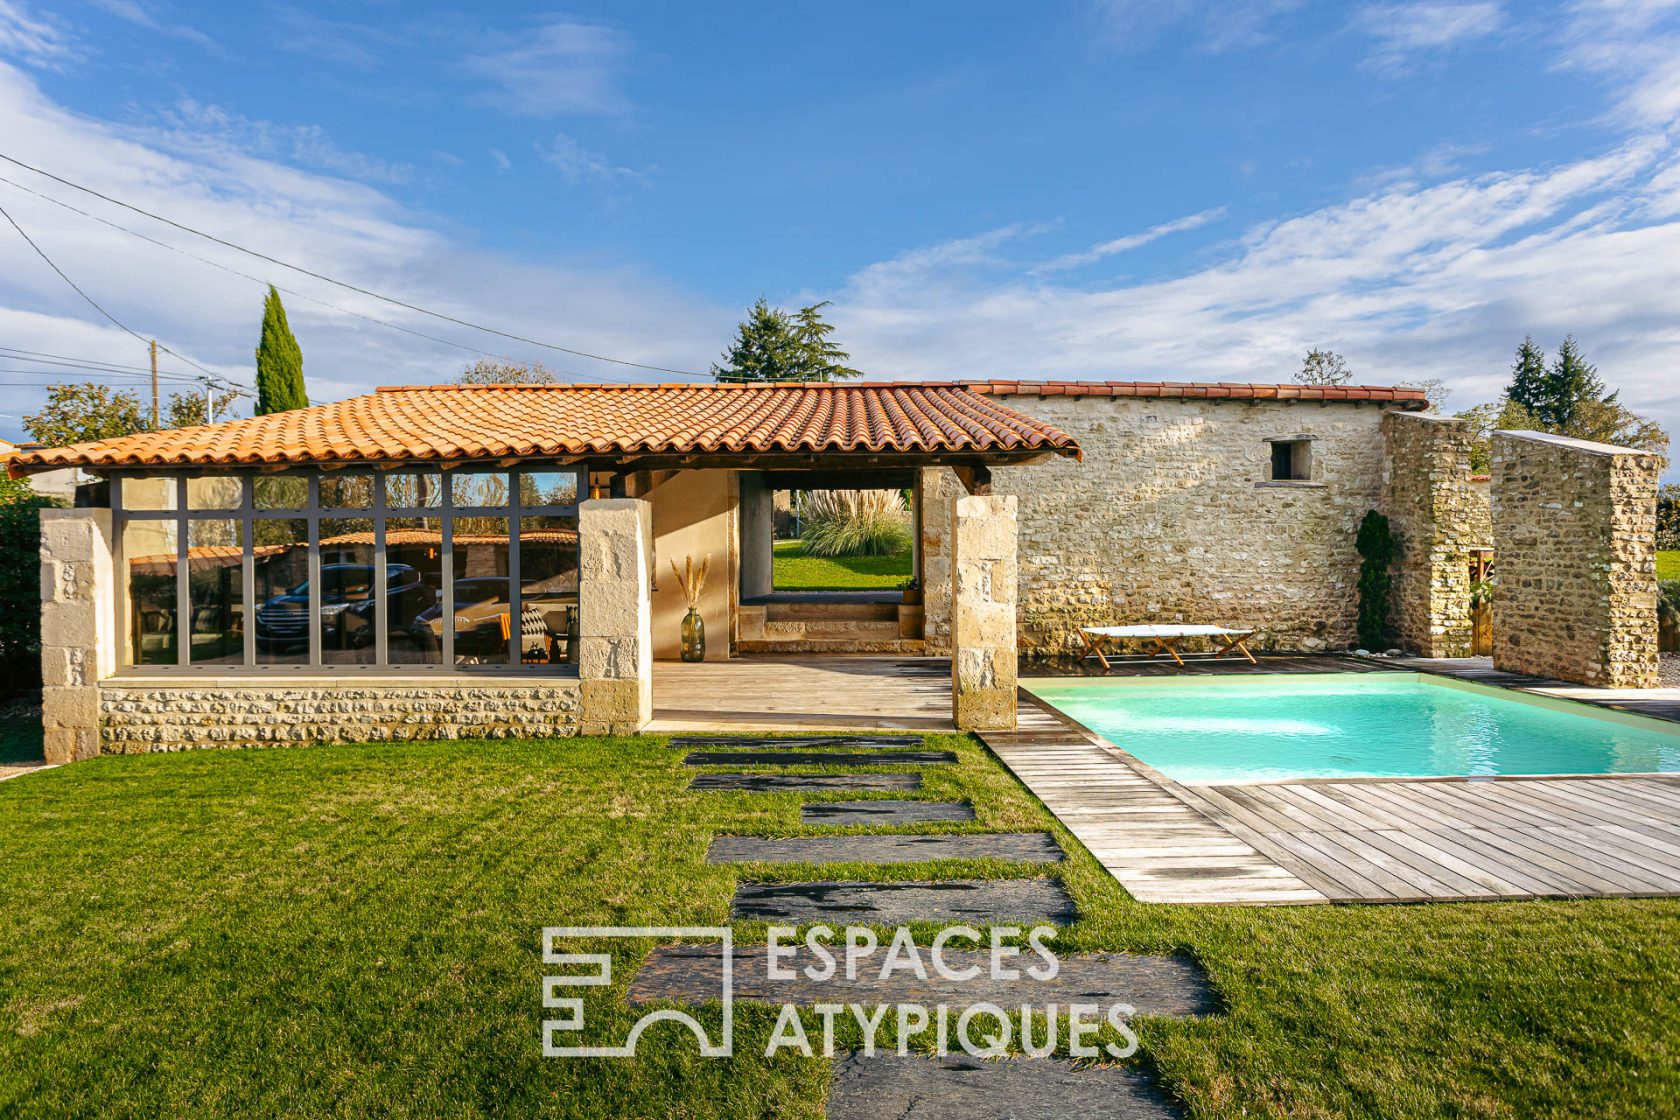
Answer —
(811, 692)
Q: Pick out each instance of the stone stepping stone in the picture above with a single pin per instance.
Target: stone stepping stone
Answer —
(856, 742)
(776, 783)
(960, 1087)
(972, 901)
(1173, 986)
(816, 758)
(1027, 847)
(884, 812)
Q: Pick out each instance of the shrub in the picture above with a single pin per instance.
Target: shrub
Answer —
(1376, 545)
(20, 586)
(1668, 600)
(854, 523)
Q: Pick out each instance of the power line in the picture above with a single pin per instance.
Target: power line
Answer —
(74, 365)
(90, 300)
(102, 375)
(341, 283)
(278, 287)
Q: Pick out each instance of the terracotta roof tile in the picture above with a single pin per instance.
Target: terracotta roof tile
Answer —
(510, 421)
(1222, 390)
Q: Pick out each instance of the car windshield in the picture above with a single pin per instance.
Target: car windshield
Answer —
(471, 591)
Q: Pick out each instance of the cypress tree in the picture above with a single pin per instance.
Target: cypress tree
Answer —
(279, 362)
(1528, 377)
(1376, 549)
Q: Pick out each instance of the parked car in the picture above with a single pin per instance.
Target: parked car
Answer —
(481, 606)
(347, 607)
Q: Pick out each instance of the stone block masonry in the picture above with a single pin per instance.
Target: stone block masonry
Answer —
(142, 716)
(78, 628)
(1575, 582)
(983, 590)
(1427, 499)
(615, 623)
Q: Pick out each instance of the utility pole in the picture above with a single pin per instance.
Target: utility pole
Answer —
(209, 401)
(154, 385)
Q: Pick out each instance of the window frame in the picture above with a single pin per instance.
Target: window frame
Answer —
(312, 512)
(1302, 461)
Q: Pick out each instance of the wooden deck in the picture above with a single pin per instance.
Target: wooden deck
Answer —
(1158, 846)
(797, 693)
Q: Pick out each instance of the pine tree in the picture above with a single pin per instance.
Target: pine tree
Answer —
(1571, 383)
(1324, 367)
(771, 345)
(1528, 377)
(279, 362)
(813, 331)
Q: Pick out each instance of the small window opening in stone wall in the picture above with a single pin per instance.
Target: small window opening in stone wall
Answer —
(1291, 460)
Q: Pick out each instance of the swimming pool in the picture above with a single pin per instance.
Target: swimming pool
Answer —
(1339, 725)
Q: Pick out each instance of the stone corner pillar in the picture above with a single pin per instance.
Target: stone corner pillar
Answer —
(78, 628)
(983, 585)
(1427, 499)
(615, 616)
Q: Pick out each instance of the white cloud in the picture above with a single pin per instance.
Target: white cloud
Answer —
(578, 165)
(31, 39)
(1131, 241)
(1404, 30)
(142, 15)
(1410, 283)
(1634, 45)
(193, 124)
(562, 67)
(1218, 25)
(335, 226)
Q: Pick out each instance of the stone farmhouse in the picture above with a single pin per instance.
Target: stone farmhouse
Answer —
(481, 561)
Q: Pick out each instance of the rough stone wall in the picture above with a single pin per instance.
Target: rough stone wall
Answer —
(1171, 518)
(78, 628)
(1575, 582)
(148, 716)
(1427, 500)
(983, 589)
(1478, 513)
(939, 489)
(615, 637)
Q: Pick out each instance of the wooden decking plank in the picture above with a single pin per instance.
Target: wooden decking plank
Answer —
(1596, 873)
(1644, 869)
(1517, 866)
(1425, 845)
(1351, 857)
(1496, 810)
(1336, 812)
(1452, 884)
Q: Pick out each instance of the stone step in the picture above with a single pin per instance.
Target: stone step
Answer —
(884, 812)
(974, 901)
(830, 628)
(831, 612)
(960, 1087)
(1016, 847)
(820, 758)
(1174, 986)
(779, 783)
(906, 647)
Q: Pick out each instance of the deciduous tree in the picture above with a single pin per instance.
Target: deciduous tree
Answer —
(1324, 367)
(87, 411)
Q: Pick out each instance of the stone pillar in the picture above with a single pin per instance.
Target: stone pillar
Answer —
(615, 660)
(78, 628)
(1575, 577)
(758, 535)
(983, 584)
(939, 489)
(1426, 497)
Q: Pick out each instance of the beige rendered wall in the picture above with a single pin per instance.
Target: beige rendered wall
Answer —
(1171, 518)
(694, 514)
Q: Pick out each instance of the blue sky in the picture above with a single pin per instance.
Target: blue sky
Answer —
(1111, 189)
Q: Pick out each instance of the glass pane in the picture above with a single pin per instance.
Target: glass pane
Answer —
(280, 491)
(347, 491)
(480, 552)
(150, 552)
(414, 590)
(215, 584)
(280, 562)
(346, 620)
(215, 492)
(548, 488)
(148, 493)
(480, 488)
(548, 589)
(413, 490)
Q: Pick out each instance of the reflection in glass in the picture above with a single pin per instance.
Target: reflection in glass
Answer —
(346, 618)
(481, 590)
(215, 592)
(480, 488)
(548, 587)
(548, 488)
(346, 491)
(280, 491)
(413, 490)
(150, 554)
(280, 565)
(221, 491)
(413, 590)
(148, 493)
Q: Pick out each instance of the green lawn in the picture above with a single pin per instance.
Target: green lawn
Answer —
(355, 930)
(794, 571)
(1668, 565)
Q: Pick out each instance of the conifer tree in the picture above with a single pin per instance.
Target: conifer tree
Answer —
(771, 345)
(279, 362)
(1528, 377)
(1572, 384)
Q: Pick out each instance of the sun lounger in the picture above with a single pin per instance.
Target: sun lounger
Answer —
(1097, 638)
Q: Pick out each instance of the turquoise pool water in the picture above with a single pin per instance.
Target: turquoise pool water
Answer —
(1355, 725)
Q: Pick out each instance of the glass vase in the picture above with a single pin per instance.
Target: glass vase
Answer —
(693, 636)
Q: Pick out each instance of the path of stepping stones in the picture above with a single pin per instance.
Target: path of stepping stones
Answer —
(885, 1085)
